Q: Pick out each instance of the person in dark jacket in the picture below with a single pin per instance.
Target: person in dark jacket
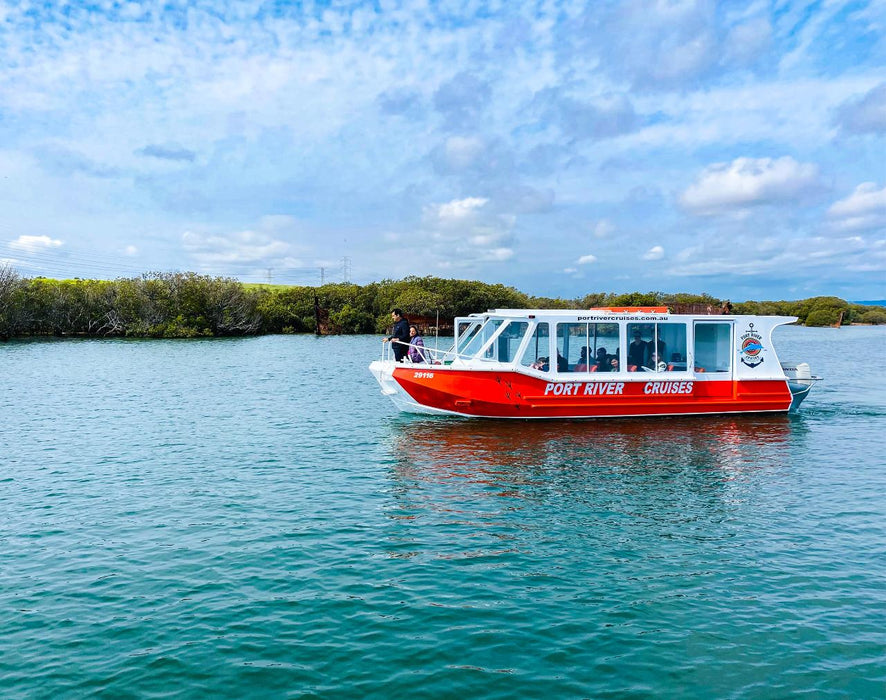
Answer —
(602, 360)
(399, 333)
(637, 350)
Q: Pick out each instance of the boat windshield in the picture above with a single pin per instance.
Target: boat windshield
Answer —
(480, 336)
(504, 349)
(474, 336)
(466, 334)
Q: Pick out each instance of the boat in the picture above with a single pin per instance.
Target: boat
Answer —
(599, 363)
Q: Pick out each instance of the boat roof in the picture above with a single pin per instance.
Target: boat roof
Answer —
(619, 313)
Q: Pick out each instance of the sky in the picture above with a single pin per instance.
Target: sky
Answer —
(734, 148)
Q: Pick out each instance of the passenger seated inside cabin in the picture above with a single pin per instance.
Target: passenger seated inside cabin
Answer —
(613, 364)
(582, 364)
(655, 364)
(651, 348)
(562, 364)
(636, 350)
(542, 363)
(602, 360)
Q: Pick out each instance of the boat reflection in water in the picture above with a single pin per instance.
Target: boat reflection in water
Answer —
(439, 449)
(470, 488)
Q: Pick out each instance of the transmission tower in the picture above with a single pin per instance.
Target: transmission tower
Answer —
(322, 276)
(346, 269)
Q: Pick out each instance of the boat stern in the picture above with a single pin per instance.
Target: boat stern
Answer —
(800, 382)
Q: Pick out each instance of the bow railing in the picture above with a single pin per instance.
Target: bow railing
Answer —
(433, 356)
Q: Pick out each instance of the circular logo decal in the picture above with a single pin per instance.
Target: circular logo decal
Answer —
(751, 347)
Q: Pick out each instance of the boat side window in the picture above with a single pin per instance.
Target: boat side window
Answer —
(587, 347)
(508, 341)
(466, 332)
(476, 336)
(657, 347)
(537, 352)
(486, 333)
(713, 344)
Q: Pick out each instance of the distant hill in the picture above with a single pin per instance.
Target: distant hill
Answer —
(877, 302)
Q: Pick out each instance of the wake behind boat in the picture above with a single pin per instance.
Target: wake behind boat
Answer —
(601, 363)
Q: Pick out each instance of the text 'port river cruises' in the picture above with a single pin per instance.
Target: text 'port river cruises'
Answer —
(614, 362)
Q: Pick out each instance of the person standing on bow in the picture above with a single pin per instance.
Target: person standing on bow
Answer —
(399, 335)
(416, 346)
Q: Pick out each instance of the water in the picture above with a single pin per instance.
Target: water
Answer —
(251, 518)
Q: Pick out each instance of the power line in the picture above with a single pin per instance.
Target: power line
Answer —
(70, 264)
(67, 263)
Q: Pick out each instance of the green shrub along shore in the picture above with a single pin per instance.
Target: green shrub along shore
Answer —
(188, 305)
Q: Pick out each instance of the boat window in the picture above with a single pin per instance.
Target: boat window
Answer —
(713, 344)
(505, 347)
(537, 352)
(466, 332)
(587, 347)
(479, 339)
(657, 347)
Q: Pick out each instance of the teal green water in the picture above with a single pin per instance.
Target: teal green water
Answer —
(251, 519)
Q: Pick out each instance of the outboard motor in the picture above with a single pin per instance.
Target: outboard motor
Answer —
(800, 381)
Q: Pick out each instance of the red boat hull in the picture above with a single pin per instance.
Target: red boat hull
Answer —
(496, 394)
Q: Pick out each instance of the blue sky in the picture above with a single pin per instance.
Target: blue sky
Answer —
(560, 147)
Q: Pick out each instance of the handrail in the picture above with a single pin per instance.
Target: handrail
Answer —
(437, 355)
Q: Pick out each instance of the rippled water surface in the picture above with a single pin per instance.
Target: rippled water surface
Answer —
(251, 518)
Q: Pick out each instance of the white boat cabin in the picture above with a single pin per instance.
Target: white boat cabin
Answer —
(567, 345)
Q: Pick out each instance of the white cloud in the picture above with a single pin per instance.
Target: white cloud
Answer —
(654, 253)
(462, 152)
(866, 114)
(791, 256)
(499, 254)
(458, 211)
(216, 252)
(277, 223)
(32, 243)
(603, 229)
(658, 43)
(131, 250)
(865, 208)
(749, 181)
(747, 41)
(606, 117)
(468, 231)
(586, 260)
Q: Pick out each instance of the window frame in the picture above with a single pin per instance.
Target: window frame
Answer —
(587, 339)
(505, 322)
(656, 337)
(713, 376)
(530, 334)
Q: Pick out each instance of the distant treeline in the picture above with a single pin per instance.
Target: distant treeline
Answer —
(188, 305)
